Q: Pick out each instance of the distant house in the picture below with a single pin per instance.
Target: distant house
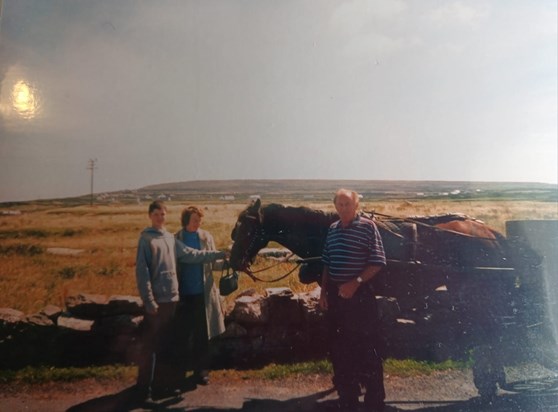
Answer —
(10, 212)
(227, 197)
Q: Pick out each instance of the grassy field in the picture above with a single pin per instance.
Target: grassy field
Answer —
(31, 278)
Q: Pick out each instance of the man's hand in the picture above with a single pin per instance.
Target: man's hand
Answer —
(348, 289)
(151, 310)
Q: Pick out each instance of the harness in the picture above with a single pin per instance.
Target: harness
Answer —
(413, 242)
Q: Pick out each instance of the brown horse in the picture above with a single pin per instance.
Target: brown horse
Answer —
(423, 252)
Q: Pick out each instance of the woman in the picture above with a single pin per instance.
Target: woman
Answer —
(199, 315)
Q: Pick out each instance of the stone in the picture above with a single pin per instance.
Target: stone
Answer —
(310, 308)
(76, 324)
(250, 310)
(64, 251)
(51, 311)
(124, 304)
(39, 319)
(284, 307)
(248, 292)
(8, 315)
(280, 292)
(86, 305)
(234, 330)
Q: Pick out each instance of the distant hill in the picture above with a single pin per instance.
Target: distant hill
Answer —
(368, 188)
(317, 190)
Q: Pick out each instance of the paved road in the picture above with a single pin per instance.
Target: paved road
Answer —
(450, 391)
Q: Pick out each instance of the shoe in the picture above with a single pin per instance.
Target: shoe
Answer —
(374, 407)
(164, 392)
(202, 378)
(338, 406)
(139, 392)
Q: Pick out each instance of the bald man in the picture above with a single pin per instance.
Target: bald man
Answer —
(353, 254)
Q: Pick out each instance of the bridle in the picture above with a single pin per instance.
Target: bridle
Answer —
(261, 237)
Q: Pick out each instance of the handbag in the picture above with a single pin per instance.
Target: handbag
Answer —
(228, 282)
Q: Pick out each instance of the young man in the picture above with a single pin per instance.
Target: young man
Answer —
(157, 283)
(353, 254)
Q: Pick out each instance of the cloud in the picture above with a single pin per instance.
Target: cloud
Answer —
(449, 14)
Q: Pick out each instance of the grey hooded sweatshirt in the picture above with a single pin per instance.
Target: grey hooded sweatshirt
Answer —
(156, 258)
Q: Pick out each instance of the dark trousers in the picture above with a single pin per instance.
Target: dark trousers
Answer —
(191, 332)
(354, 337)
(155, 365)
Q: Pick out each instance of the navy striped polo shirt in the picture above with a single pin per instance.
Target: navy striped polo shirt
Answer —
(349, 250)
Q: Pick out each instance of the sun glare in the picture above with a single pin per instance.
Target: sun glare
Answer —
(23, 100)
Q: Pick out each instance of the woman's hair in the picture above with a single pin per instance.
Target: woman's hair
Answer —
(189, 211)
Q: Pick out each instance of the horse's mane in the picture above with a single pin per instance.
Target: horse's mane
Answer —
(320, 217)
(301, 215)
(275, 216)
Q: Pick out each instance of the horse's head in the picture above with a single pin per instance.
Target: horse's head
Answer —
(248, 237)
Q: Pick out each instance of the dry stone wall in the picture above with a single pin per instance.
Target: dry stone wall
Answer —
(276, 325)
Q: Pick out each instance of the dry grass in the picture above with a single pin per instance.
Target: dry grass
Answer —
(108, 235)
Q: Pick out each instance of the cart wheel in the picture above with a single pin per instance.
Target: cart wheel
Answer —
(488, 371)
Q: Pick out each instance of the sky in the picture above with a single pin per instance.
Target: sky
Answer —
(176, 90)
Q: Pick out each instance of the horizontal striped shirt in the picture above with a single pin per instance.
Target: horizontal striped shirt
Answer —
(349, 250)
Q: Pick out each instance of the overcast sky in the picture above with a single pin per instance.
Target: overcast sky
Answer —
(165, 91)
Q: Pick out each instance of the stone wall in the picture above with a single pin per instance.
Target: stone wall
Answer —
(279, 325)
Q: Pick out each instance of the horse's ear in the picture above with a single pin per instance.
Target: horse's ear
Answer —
(256, 204)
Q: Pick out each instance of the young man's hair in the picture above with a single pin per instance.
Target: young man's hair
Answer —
(187, 212)
(157, 204)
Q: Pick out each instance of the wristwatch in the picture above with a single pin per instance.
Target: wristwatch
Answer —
(359, 280)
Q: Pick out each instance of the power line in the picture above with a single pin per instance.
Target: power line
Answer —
(91, 166)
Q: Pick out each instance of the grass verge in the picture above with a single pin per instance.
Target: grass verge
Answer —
(44, 374)
(392, 367)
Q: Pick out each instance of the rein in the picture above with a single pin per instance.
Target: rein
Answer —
(254, 277)
(298, 263)
(276, 264)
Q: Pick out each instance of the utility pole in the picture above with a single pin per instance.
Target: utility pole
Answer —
(91, 165)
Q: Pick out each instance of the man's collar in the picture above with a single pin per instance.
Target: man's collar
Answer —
(352, 222)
